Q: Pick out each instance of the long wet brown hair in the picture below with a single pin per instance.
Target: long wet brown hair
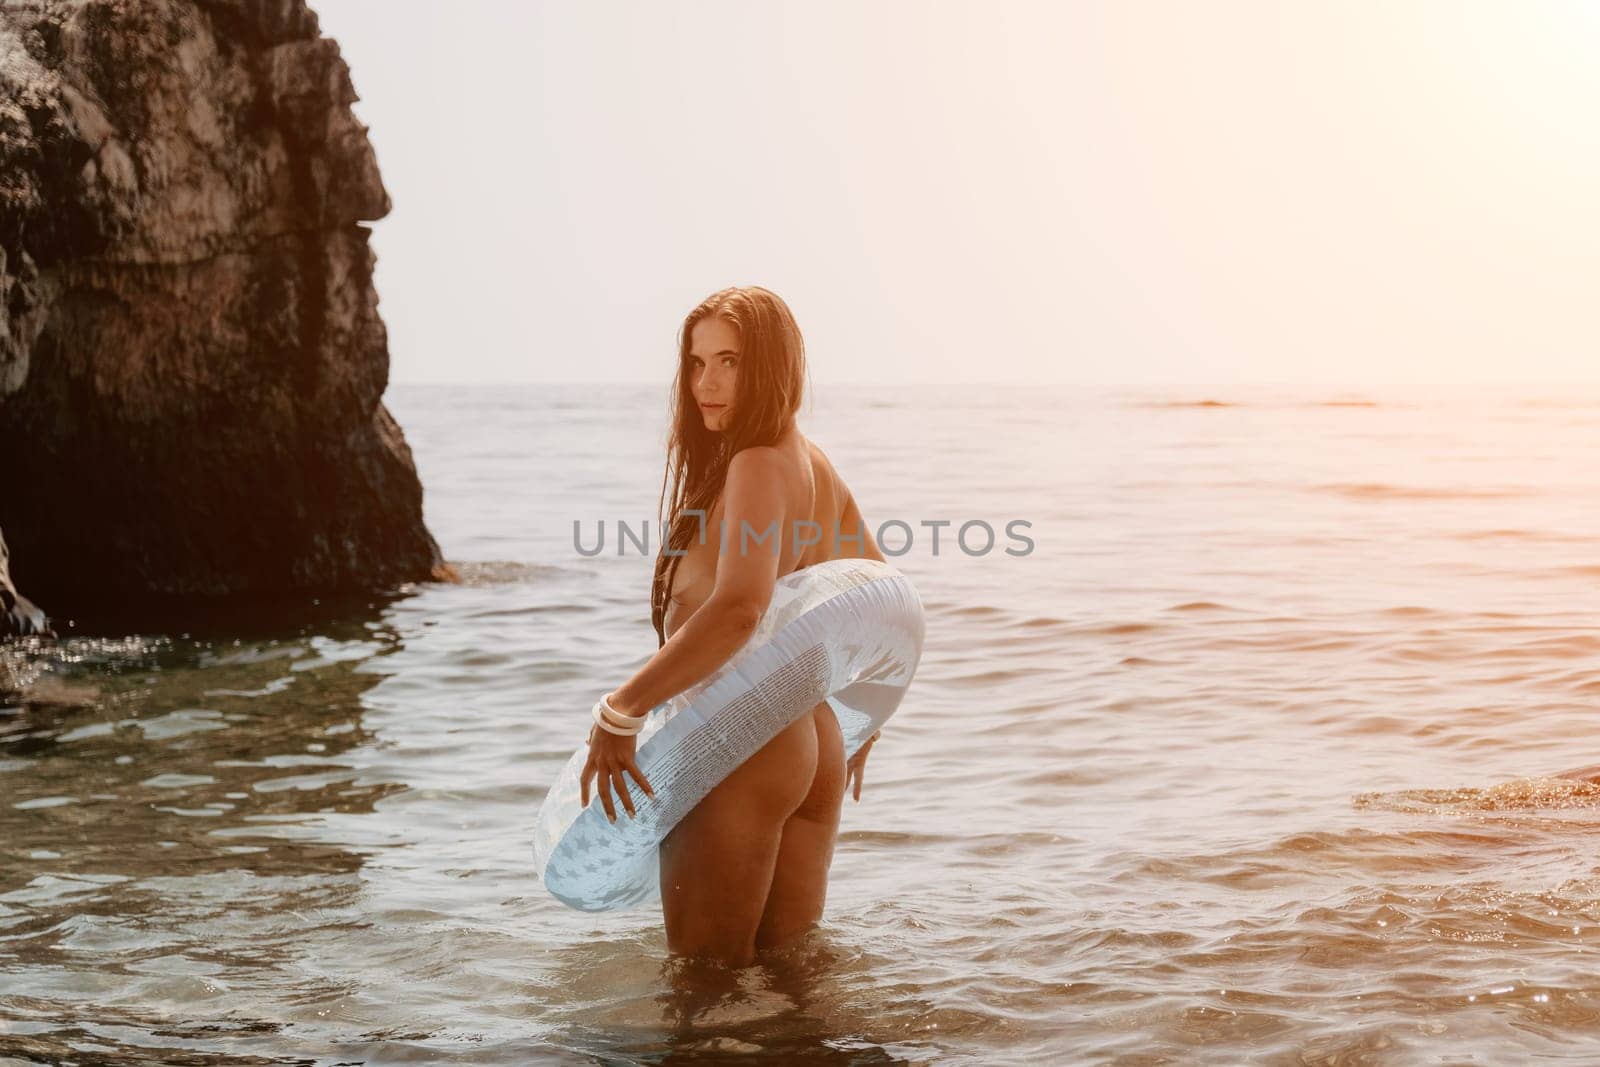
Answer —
(771, 384)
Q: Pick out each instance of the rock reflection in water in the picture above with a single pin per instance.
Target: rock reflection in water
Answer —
(175, 823)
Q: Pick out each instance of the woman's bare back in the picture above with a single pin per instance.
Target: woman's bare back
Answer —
(814, 492)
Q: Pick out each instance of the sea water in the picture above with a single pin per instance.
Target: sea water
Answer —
(1247, 754)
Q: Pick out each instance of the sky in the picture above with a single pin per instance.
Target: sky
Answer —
(1117, 192)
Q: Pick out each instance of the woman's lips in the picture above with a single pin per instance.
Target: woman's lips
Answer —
(713, 407)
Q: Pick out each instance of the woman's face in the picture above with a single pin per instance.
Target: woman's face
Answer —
(714, 370)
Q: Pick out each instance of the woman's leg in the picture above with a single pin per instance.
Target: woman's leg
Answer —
(717, 863)
(805, 850)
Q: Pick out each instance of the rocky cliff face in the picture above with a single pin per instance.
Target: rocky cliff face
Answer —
(191, 358)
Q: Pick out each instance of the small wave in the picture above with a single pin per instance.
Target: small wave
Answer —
(1307, 853)
(1409, 611)
(989, 677)
(1207, 403)
(1200, 605)
(1590, 773)
(534, 609)
(1064, 777)
(1522, 794)
(1556, 646)
(508, 572)
(32, 667)
(1116, 629)
(896, 837)
(974, 611)
(1588, 686)
(1383, 491)
(1498, 535)
(1008, 845)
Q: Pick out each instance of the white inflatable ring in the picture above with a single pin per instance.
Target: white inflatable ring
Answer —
(847, 630)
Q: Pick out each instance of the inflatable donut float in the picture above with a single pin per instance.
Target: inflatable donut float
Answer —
(848, 631)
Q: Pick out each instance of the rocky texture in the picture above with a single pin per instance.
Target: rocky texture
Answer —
(191, 358)
(18, 614)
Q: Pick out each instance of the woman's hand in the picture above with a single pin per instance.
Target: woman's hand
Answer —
(857, 767)
(610, 758)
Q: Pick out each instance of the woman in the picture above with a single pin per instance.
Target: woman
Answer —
(747, 868)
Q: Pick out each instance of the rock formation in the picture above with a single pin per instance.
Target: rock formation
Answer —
(191, 358)
(18, 614)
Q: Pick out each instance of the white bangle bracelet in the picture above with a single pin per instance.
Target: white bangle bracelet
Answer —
(627, 722)
(616, 717)
(605, 724)
(600, 708)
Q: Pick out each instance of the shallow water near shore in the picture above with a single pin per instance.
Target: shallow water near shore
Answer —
(1257, 755)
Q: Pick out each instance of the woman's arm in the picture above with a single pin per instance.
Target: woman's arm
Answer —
(747, 572)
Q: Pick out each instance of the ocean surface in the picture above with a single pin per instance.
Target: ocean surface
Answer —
(1255, 756)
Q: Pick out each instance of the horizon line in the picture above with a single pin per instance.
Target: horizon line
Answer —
(1486, 383)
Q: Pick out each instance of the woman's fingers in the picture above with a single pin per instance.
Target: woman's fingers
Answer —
(633, 769)
(610, 770)
(858, 769)
(603, 786)
(622, 790)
